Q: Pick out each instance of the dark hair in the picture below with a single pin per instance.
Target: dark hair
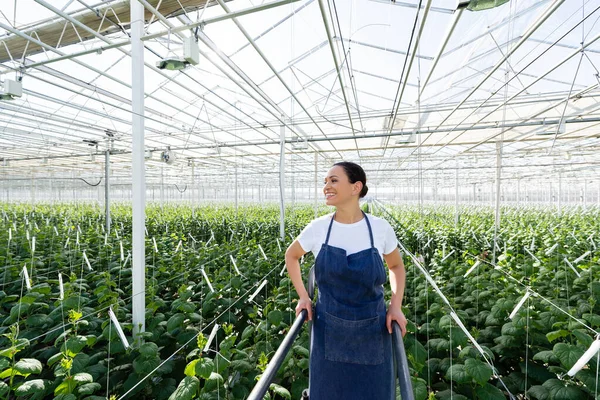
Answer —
(355, 174)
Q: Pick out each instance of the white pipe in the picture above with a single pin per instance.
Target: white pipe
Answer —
(207, 280)
(472, 268)
(519, 305)
(436, 59)
(263, 252)
(577, 261)
(572, 267)
(113, 317)
(87, 262)
(211, 337)
(593, 349)
(257, 291)
(138, 168)
(26, 277)
(61, 287)
(412, 58)
(234, 264)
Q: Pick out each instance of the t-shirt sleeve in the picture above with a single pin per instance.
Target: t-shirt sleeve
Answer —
(307, 237)
(391, 241)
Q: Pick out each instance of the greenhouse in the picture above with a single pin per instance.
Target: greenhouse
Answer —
(158, 157)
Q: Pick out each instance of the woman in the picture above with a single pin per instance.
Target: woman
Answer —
(351, 342)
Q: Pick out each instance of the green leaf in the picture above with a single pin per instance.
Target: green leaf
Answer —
(83, 377)
(26, 366)
(450, 395)
(458, 374)
(205, 367)
(552, 336)
(175, 322)
(80, 361)
(4, 363)
(546, 356)
(248, 332)
(567, 354)
(74, 345)
(419, 388)
(538, 392)
(582, 337)
(190, 368)
(65, 397)
(4, 388)
(66, 387)
(275, 317)
(149, 349)
(8, 372)
(588, 377)
(301, 351)
(30, 387)
(479, 371)
(55, 358)
(557, 390)
(11, 351)
(187, 389)
(88, 388)
(417, 354)
(593, 319)
(214, 381)
(489, 392)
(280, 391)
(243, 365)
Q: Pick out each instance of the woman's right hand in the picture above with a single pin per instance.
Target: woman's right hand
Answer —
(304, 304)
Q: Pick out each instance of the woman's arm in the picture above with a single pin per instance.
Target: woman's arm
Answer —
(397, 283)
(292, 263)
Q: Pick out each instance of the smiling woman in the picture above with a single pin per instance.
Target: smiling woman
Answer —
(351, 337)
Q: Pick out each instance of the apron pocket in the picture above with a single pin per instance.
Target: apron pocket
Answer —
(355, 342)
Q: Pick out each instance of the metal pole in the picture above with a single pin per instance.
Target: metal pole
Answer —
(107, 190)
(192, 201)
(269, 374)
(236, 190)
(316, 190)
(559, 191)
(139, 183)
(282, 183)
(162, 187)
(456, 197)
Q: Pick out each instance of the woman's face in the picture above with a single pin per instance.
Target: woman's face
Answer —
(337, 188)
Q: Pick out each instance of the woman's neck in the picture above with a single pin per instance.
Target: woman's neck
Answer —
(348, 214)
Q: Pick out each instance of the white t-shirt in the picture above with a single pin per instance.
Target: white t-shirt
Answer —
(350, 237)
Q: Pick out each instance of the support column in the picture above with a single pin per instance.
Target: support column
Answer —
(282, 182)
(139, 173)
(193, 196)
(456, 196)
(559, 191)
(236, 190)
(162, 187)
(107, 190)
(498, 198)
(316, 184)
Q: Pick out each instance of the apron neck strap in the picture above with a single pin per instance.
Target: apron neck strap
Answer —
(370, 230)
(368, 224)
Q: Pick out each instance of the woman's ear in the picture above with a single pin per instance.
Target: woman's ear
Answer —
(358, 185)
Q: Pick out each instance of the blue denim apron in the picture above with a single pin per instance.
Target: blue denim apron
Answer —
(351, 349)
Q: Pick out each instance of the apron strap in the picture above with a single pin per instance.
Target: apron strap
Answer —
(370, 230)
(329, 230)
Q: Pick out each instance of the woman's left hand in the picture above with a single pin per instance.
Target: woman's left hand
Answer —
(398, 316)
